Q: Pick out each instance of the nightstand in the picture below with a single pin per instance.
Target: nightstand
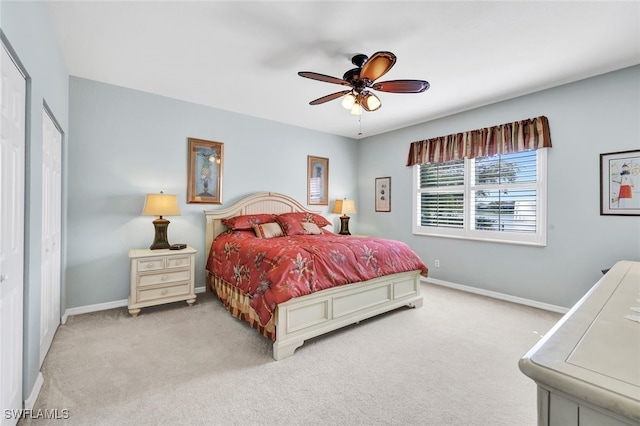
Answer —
(161, 276)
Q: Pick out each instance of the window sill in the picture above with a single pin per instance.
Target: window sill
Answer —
(483, 239)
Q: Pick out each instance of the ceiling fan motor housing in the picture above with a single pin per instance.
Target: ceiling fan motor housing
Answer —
(353, 75)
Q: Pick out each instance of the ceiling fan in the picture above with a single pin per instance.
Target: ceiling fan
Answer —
(362, 80)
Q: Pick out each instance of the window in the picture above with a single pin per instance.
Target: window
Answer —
(499, 198)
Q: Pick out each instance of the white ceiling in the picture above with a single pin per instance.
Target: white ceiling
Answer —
(244, 56)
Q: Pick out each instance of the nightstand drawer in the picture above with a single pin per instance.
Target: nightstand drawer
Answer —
(164, 278)
(178, 262)
(160, 292)
(151, 264)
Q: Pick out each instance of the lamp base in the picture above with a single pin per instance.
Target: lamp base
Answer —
(160, 240)
(344, 225)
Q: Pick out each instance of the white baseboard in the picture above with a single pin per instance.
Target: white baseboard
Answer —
(496, 295)
(30, 402)
(501, 296)
(104, 306)
(93, 308)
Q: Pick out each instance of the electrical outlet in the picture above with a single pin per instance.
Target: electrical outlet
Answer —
(436, 263)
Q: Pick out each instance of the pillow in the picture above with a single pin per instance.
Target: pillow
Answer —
(291, 226)
(268, 230)
(311, 228)
(321, 221)
(247, 221)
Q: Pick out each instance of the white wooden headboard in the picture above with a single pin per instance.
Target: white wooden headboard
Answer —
(264, 202)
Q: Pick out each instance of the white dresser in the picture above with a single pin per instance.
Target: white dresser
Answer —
(587, 367)
(161, 276)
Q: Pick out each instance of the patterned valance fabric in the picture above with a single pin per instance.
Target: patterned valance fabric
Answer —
(525, 135)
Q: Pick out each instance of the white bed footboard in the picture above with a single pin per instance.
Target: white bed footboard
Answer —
(305, 317)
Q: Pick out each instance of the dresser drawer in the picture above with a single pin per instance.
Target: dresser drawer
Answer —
(164, 278)
(150, 264)
(178, 262)
(161, 292)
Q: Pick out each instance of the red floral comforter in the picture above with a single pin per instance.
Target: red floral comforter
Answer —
(272, 271)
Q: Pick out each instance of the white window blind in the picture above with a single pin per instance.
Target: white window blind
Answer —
(498, 198)
(442, 196)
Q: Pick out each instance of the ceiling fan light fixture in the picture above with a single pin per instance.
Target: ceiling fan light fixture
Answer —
(356, 109)
(348, 101)
(371, 102)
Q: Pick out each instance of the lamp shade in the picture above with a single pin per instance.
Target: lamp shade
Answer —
(344, 207)
(371, 102)
(348, 101)
(161, 205)
(356, 109)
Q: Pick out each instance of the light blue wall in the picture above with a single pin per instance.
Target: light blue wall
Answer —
(27, 30)
(124, 144)
(587, 118)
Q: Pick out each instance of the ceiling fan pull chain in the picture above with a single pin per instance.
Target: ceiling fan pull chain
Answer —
(360, 125)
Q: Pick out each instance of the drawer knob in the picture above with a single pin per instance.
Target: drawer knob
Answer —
(149, 265)
(165, 292)
(164, 278)
(178, 262)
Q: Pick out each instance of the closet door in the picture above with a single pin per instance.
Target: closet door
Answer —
(12, 148)
(51, 224)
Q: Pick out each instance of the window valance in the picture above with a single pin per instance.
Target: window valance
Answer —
(525, 135)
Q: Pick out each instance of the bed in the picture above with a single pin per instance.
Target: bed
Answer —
(331, 300)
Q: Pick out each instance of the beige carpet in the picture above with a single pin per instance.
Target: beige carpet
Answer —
(451, 362)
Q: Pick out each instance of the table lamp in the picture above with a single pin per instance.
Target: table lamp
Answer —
(344, 207)
(161, 205)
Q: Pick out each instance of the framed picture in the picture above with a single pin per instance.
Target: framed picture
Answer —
(383, 194)
(317, 181)
(620, 183)
(204, 180)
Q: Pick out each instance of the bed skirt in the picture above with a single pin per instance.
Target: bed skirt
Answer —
(238, 304)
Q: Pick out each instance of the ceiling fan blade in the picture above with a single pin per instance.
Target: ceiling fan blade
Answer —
(322, 77)
(377, 65)
(402, 86)
(329, 97)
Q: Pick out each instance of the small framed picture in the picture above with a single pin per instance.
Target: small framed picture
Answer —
(317, 181)
(204, 180)
(383, 194)
(620, 183)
